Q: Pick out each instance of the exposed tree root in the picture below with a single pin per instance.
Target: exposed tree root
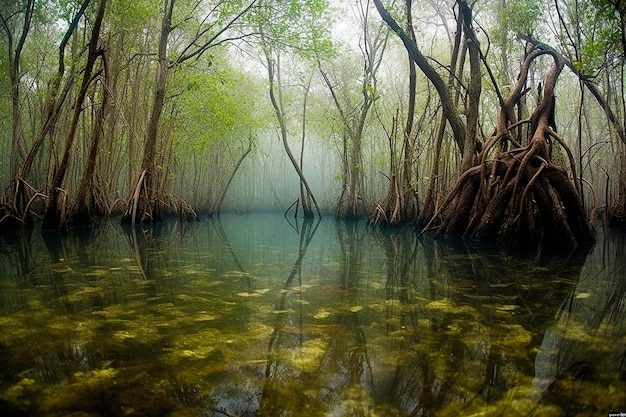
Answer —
(17, 212)
(184, 211)
(9, 218)
(388, 210)
(140, 208)
(55, 217)
(548, 204)
(519, 196)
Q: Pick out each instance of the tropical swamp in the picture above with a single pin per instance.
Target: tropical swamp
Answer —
(308, 207)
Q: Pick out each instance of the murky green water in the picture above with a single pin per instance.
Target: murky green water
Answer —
(252, 315)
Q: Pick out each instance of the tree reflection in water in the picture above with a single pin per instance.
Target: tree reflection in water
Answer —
(257, 318)
(498, 335)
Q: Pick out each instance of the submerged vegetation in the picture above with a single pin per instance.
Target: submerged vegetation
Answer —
(248, 316)
(144, 109)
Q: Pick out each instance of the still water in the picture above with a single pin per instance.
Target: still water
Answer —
(256, 315)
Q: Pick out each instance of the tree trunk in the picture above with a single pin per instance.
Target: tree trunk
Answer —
(10, 214)
(54, 217)
(450, 111)
(410, 200)
(278, 109)
(388, 211)
(90, 205)
(51, 111)
(306, 202)
(434, 178)
(351, 202)
(474, 88)
(616, 209)
(144, 204)
(14, 56)
(217, 204)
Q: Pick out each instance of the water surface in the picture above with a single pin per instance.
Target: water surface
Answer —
(254, 315)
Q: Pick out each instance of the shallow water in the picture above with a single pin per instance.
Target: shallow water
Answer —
(256, 315)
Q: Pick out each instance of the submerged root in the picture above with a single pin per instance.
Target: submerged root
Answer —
(9, 219)
(25, 202)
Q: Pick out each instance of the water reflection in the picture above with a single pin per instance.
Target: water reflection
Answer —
(582, 354)
(253, 316)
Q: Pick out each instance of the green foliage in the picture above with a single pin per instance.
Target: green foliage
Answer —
(300, 25)
(523, 15)
(67, 9)
(44, 13)
(204, 23)
(597, 23)
(520, 16)
(214, 106)
(129, 14)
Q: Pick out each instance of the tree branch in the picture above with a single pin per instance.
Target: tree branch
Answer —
(452, 114)
(617, 125)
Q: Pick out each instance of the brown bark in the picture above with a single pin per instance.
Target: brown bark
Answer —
(474, 88)
(54, 217)
(616, 209)
(14, 57)
(90, 204)
(145, 206)
(401, 201)
(431, 192)
(410, 200)
(11, 214)
(388, 210)
(20, 204)
(352, 199)
(473, 143)
(520, 193)
(611, 115)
